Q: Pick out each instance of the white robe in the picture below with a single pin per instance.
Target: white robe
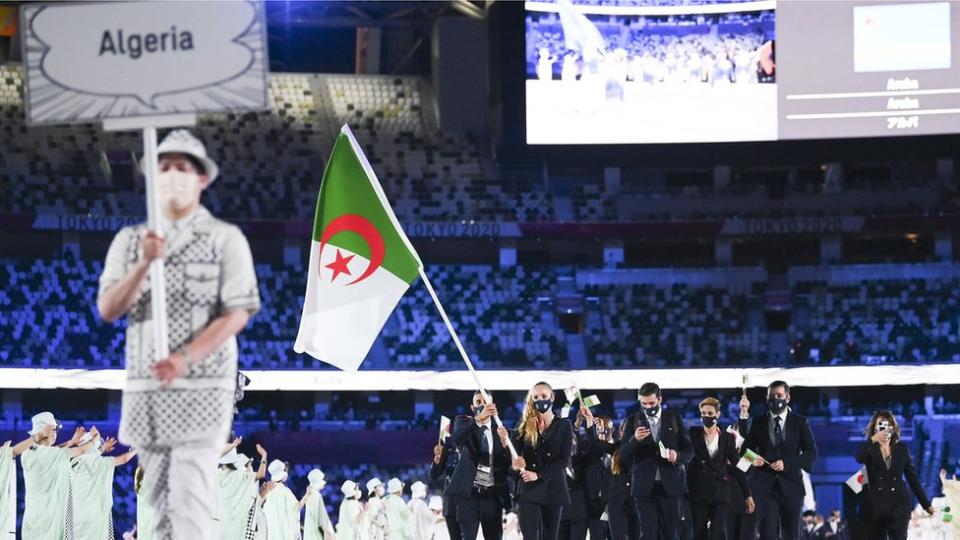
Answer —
(375, 519)
(398, 517)
(316, 521)
(8, 493)
(46, 479)
(421, 520)
(282, 510)
(238, 495)
(440, 531)
(92, 492)
(349, 526)
(146, 517)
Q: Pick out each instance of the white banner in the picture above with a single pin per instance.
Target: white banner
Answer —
(620, 379)
(90, 62)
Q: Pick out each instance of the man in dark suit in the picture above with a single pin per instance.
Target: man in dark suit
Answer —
(478, 485)
(784, 443)
(657, 450)
(836, 527)
(445, 459)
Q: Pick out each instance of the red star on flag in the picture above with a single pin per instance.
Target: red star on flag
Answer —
(339, 266)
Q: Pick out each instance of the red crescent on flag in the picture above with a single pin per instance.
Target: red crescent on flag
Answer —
(362, 226)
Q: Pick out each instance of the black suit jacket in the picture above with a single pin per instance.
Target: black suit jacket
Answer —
(549, 459)
(597, 477)
(644, 458)
(887, 484)
(466, 435)
(798, 452)
(711, 478)
(442, 471)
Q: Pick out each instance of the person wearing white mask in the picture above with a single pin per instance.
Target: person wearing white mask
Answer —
(398, 516)
(421, 518)
(91, 488)
(375, 511)
(176, 410)
(440, 531)
(238, 493)
(46, 477)
(349, 526)
(280, 506)
(316, 521)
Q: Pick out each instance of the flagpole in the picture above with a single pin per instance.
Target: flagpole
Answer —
(463, 352)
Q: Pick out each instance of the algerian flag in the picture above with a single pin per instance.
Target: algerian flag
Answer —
(747, 460)
(590, 401)
(361, 262)
(444, 428)
(858, 480)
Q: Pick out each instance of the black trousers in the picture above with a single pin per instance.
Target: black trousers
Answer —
(884, 518)
(713, 513)
(624, 518)
(778, 515)
(450, 517)
(659, 514)
(741, 525)
(474, 513)
(539, 521)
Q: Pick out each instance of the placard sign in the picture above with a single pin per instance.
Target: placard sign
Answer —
(90, 62)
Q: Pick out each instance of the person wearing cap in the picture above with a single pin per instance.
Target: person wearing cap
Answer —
(46, 477)
(375, 511)
(91, 487)
(238, 493)
(280, 506)
(398, 516)
(421, 519)
(177, 409)
(440, 530)
(351, 513)
(316, 521)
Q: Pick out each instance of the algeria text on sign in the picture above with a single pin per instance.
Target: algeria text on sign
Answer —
(93, 61)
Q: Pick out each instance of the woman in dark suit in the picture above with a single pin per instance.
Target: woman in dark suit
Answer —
(544, 443)
(885, 511)
(621, 510)
(713, 474)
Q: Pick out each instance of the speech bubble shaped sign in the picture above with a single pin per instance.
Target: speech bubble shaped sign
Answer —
(143, 50)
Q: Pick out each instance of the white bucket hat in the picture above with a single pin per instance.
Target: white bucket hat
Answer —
(316, 478)
(373, 484)
(436, 503)
(181, 141)
(42, 420)
(349, 488)
(418, 490)
(229, 458)
(394, 485)
(241, 461)
(95, 449)
(277, 470)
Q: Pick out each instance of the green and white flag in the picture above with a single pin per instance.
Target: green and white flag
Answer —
(361, 262)
(749, 457)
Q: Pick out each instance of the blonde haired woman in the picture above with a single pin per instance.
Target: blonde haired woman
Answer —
(544, 445)
(886, 503)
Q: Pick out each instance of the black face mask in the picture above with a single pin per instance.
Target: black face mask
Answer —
(777, 405)
(709, 421)
(477, 410)
(543, 405)
(651, 411)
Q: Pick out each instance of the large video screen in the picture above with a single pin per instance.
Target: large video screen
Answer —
(663, 71)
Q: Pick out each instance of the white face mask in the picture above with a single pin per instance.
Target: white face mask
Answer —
(178, 189)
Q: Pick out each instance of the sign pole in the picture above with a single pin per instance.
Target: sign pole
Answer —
(158, 284)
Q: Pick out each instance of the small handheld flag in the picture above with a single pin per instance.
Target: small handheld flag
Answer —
(590, 401)
(748, 459)
(858, 480)
(664, 451)
(444, 428)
